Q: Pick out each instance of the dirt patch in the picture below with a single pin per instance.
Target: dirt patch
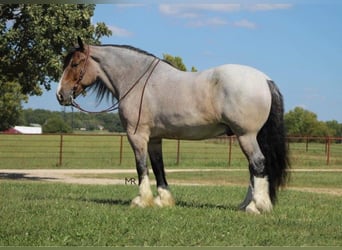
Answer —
(70, 176)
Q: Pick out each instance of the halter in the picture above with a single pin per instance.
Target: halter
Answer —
(115, 106)
(82, 73)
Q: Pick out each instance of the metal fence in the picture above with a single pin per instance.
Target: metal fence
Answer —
(112, 150)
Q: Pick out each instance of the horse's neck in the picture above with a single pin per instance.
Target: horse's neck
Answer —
(122, 67)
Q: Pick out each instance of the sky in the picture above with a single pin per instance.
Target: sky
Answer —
(297, 43)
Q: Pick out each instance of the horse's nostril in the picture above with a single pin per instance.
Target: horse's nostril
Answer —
(60, 97)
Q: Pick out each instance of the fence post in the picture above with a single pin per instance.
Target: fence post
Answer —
(328, 149)
(178, 151)
(121, 148)
(307, 144)
(230, 151)
(60, 150)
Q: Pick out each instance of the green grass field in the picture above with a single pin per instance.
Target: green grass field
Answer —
(104, 151)
(47, 214)
(36, 213)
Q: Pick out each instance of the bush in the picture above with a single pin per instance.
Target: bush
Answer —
(56, 125)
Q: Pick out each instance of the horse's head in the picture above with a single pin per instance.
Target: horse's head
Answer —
(78, 74)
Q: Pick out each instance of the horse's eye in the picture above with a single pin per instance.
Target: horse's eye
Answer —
(74, 65)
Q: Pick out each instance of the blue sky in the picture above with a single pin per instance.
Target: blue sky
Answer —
(297, 43)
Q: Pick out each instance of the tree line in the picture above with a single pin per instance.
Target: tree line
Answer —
(298, 122)
(68, 122)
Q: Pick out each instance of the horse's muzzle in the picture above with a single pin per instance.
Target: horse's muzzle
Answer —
(65, 101)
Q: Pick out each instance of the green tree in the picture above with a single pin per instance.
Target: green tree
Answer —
(34, 39)
(193, 69)
(10, 104)
(301, 122)
(177, 62)
(335, 127)
(56, 125)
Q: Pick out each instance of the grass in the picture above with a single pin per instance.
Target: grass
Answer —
(37, 213)
(104, 151)
(47, 214)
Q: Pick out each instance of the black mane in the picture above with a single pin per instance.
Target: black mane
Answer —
(99, 87)
(129, 47)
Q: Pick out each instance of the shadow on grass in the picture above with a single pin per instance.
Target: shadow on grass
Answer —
(109, 201)
(184, 204)
(206, 205)
(22, 176)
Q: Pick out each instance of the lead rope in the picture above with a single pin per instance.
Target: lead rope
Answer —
(115, 106)
(142, 95)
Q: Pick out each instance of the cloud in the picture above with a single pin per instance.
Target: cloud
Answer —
(203, 14)
(180, 9)
(183, 10)
(268, 7)
(117, 31)
(215, 21)
(244, 23)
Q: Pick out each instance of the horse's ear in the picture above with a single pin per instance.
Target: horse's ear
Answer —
(80, 43)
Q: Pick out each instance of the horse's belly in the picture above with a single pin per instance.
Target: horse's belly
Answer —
(198, 132)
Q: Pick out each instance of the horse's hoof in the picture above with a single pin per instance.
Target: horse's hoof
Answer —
(164, 199)
(252, 209)
(139, 202)
(265, 206)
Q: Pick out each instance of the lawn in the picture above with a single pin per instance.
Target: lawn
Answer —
(48, 214)
(35, 213)
(114, 151)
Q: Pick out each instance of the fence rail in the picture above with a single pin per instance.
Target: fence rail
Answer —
(110, 150)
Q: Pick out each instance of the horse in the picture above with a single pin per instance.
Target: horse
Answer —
(155, 101)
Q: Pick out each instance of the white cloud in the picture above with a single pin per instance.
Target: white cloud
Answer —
(244, 23)
(268, 7)
(215, 21)
(180, 9)
(117, 31)
(199, 18)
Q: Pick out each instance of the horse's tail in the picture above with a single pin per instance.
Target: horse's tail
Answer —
(272, 141)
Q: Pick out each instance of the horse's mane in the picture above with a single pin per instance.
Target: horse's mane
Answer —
(129, 47)
(99, 87)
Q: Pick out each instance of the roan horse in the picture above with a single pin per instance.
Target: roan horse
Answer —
(156, 100)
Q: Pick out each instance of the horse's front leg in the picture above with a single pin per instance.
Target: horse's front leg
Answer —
(164, 197)
(145, 197)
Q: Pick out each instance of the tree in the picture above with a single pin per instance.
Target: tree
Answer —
(34, 39)
(335, 127)
(56, 125)
(10, 104)
(177, 62)
(301, 122)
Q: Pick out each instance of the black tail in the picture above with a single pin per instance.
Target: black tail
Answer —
(272, 141)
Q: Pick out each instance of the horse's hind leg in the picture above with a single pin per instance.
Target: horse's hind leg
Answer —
(258, 198)
(139, 145)
(164, 197)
